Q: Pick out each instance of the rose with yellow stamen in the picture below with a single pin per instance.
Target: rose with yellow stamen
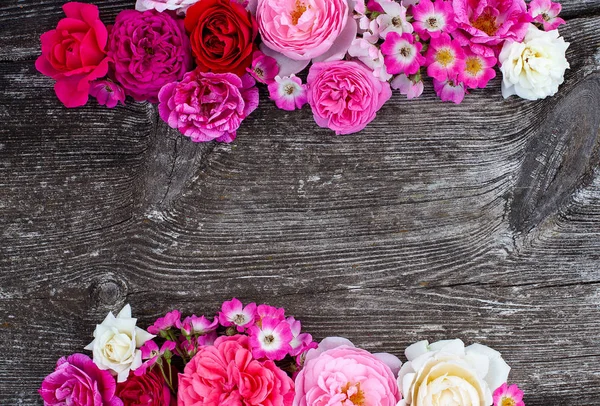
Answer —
(337, 373)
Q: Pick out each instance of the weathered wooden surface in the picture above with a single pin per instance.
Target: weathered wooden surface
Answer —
(479, 221)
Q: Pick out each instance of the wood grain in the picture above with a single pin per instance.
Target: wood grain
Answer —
(479, 221)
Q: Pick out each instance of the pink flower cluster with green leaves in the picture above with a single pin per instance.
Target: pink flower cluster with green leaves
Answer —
(256, 355)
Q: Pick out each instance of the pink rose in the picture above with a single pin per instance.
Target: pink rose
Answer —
(208, 106)
(78, 381)
(338, 373)
(490, 22)
(226, 374)
(74, 53)
(306, 29)
(344, 95)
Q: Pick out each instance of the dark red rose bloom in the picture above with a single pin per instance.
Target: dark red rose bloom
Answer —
(222, 34)
(149, 389)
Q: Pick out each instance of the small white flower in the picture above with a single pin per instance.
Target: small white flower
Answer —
(371, 56)
(116, 343)
(393, 20)
(534, 68)
(444, 371)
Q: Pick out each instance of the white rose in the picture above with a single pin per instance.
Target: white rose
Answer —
(446, 373)
(116, 343)
(534, 68)
(180, 6)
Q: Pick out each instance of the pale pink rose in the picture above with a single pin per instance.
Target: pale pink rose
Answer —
(337, 373)
(344, 95)
(306, 29)
(226, 374)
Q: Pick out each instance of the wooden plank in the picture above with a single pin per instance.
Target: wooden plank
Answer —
(480, 221)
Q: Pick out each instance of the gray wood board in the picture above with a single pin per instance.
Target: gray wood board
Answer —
(479, 221)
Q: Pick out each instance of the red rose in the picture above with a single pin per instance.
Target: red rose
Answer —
(75, 53)
(222, 34)
(149, 389)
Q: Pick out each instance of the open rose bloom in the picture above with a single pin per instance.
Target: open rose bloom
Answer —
(437, 374)
(338, 373)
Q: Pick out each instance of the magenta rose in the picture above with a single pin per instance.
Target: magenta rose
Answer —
(78, 381)
(337, 373)
(149, 50)
(149, 389)
(208, 106)
(227, 374)
(490, 22)
(74, 53)
(345, 95)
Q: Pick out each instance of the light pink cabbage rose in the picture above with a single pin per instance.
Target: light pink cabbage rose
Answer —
(345, 96)
(338, 373)
(302, 30)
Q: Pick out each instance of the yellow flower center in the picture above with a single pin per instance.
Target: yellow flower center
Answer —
(297, 12)
(507, 402)
(486, 22)
(357, 397)
(444, 57)
(473, 65)
(289, 89)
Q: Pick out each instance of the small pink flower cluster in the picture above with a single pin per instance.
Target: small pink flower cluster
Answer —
(254, 355)
(201, 59)
(456, 42)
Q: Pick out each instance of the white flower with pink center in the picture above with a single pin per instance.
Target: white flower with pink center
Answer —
(233, 313)
(445, 58)
(271, 339)
(402, 54)
(449, 90)
(411, 87)
(546, 12)
(431, 19)
(371, 56)
(394, 19)
(479, 70)
(288, 92)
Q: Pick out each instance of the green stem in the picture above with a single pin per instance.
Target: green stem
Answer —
(168, 380)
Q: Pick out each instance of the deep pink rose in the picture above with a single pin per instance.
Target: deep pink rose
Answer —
(338, 373)
(226, 374)
(208, 106)
(302, 30)
(345, 95)
(490, 22)
(149, 389)
(149, 49)
(78, 381)
(74, 53)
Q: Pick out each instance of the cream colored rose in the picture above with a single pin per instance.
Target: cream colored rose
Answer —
(534, 68)
(116, 343)
(446, 373)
